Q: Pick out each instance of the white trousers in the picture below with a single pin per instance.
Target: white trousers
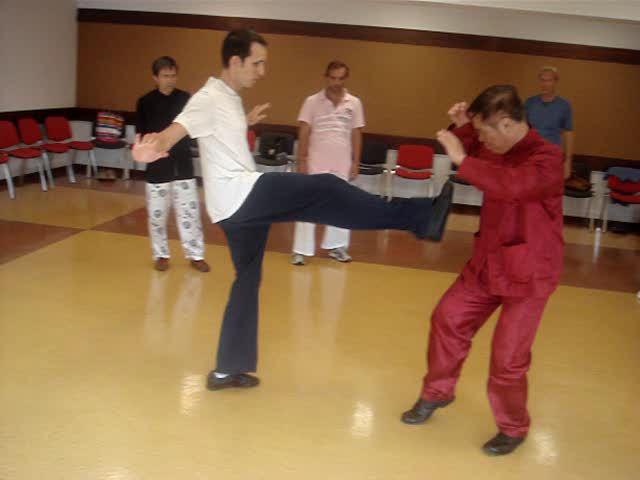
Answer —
(183, 194)
(304, 238)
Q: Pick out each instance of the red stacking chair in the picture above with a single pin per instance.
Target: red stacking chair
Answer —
(9, 144)
(59, 130)
(31, 135)
(414, 162)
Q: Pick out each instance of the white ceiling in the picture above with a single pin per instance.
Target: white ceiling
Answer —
(605, 9)
(605, 23)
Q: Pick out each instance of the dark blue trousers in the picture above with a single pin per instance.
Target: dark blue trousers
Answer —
(287, 197)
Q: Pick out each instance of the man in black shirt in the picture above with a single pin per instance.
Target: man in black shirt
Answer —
(170, 180)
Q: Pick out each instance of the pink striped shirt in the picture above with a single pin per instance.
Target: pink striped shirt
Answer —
(330, 149)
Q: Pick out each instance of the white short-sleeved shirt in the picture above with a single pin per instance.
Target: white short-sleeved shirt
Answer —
(215, 116)
(330, 149)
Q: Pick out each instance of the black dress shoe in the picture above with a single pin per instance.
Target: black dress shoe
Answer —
(502, 444)
(422, 410)
(440, 212)
(239, 380)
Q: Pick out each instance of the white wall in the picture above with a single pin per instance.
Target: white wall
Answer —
(38, 50)
(581, 28)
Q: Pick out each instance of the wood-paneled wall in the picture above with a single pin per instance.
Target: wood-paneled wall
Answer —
(405, 88)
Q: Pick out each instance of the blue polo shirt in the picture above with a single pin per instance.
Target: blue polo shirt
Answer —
(549, 118)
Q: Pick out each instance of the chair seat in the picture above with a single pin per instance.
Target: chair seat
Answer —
(625, 197)
(110, 145)
(4, 158)
(570, 192)
(413, 174)
(55, 147)
(76, 145)
(24, 153)
(371, 170)
(624, 186)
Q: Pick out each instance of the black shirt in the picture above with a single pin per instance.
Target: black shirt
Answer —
(155, 112)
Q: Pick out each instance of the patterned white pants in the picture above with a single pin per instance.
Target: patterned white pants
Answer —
(183, 194)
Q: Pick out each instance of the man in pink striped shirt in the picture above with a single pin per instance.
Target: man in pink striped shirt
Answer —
(330, 141)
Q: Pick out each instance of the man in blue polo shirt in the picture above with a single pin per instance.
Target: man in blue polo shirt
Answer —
(551, 115)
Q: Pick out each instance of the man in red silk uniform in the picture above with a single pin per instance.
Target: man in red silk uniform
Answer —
(516, 261)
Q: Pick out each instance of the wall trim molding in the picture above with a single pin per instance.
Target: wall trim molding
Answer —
(366, 33)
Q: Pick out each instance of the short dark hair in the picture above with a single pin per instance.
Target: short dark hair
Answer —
(238, 43)
(495, 99)
(162, 63)
(335, 65)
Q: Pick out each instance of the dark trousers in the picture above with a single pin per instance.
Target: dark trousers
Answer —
(287, 197)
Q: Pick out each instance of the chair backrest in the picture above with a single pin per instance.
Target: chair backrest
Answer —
(29, 131)
(373, 152)
(109, 127)
(251, 138)
(581, 170)
(8, 134)
(273, 144)
(57, 128)
(416, 157)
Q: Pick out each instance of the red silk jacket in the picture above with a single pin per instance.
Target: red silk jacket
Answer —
(518, 250)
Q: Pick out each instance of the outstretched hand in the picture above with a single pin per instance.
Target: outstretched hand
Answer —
(145, 149)
(256, 115)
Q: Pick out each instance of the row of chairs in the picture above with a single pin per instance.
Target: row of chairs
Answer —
(416, 163)
(272, 149)
(413, 162)
(616, 189)
(27, 142)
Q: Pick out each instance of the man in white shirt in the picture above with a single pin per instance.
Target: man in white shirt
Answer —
(245, 203)
(329, 141)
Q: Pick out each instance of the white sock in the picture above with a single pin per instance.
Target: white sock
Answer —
(220, 375)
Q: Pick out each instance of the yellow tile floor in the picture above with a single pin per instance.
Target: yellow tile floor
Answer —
(103, 364)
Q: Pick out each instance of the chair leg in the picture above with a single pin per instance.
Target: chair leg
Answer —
(590, 213)
(47, 167)
(389, 186)
(70, 173)
(43, 180)
(126, 175)
(604, 214)
(7, 176)
(88, 163)
(23, 167)
(92, 157)
(71, 155)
